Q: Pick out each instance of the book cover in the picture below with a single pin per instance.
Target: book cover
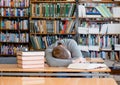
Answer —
(30, 53)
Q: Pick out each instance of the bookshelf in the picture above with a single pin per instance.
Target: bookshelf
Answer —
(14, 28)
(36, 24)
(98, 28)
(51, 20)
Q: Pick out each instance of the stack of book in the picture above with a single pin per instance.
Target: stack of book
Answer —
(30, 59)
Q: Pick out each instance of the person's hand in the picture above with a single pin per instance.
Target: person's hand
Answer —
(79, 60)
(82, 60)
(76, 60)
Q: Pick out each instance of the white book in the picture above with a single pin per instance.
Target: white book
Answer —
(81, 11)
(93, 16)
(30, 53)
(113, 28)
(29, 62)
(87, 66)
(83, 48)
(82, 30)
(106, 48)
(30, 57)
(104, 29)
(116, 11)
(117, 47)
(94, 48)
(93, 30)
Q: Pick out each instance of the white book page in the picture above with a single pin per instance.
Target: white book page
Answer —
(87, 65)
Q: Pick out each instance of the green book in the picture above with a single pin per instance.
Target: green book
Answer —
(101, 10)
(53, 10)
(107, 11)
(58, 9)
(67, 8)
(46, 10)
(32, 42)
(37, 10)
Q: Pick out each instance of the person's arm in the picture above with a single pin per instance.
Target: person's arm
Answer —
(72, 46)
(74, 49)
(51, 61)
(75, 52)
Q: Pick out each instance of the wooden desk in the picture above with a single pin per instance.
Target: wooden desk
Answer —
(12, 69)
(55, 81)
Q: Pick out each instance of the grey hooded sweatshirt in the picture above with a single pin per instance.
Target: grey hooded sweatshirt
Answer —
(71, 45)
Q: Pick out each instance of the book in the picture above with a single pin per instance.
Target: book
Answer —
(30, 57)
(86, 66)
(104, 10)
(113, 28)
(84, 48)
(31, 66)
(116, 11)
(104, 29)
(81, 11)
(82, 30)
(93, 30)
(117, 47)
(94, 48)
(30, 53)
(30, 62)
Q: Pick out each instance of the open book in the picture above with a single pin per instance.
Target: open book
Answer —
(86, 65)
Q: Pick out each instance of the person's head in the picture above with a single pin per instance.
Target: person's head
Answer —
(61, 52)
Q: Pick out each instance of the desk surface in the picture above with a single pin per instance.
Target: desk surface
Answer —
(55, 81)
(14, 68)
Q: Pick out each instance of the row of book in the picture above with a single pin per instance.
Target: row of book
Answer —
(93, 39)
(11, 49)
(104, 55)
(14, 3)
(42, 42)
(83, 39)
(14, 24)
(96, 43)
(107, 41)
(98, 11)
(14, 12)
(14, 37)
(52, 26)
(30, 59)
(53, 10)
(100, 29)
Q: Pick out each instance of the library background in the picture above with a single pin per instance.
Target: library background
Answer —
(33, 25)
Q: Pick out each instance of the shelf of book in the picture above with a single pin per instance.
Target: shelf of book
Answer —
(98, 28)
(50, 21)
(14, 26)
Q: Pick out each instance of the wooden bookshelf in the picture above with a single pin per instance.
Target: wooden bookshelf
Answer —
(53, 21)
(92, 17)
(50, 20)
(14, 27)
